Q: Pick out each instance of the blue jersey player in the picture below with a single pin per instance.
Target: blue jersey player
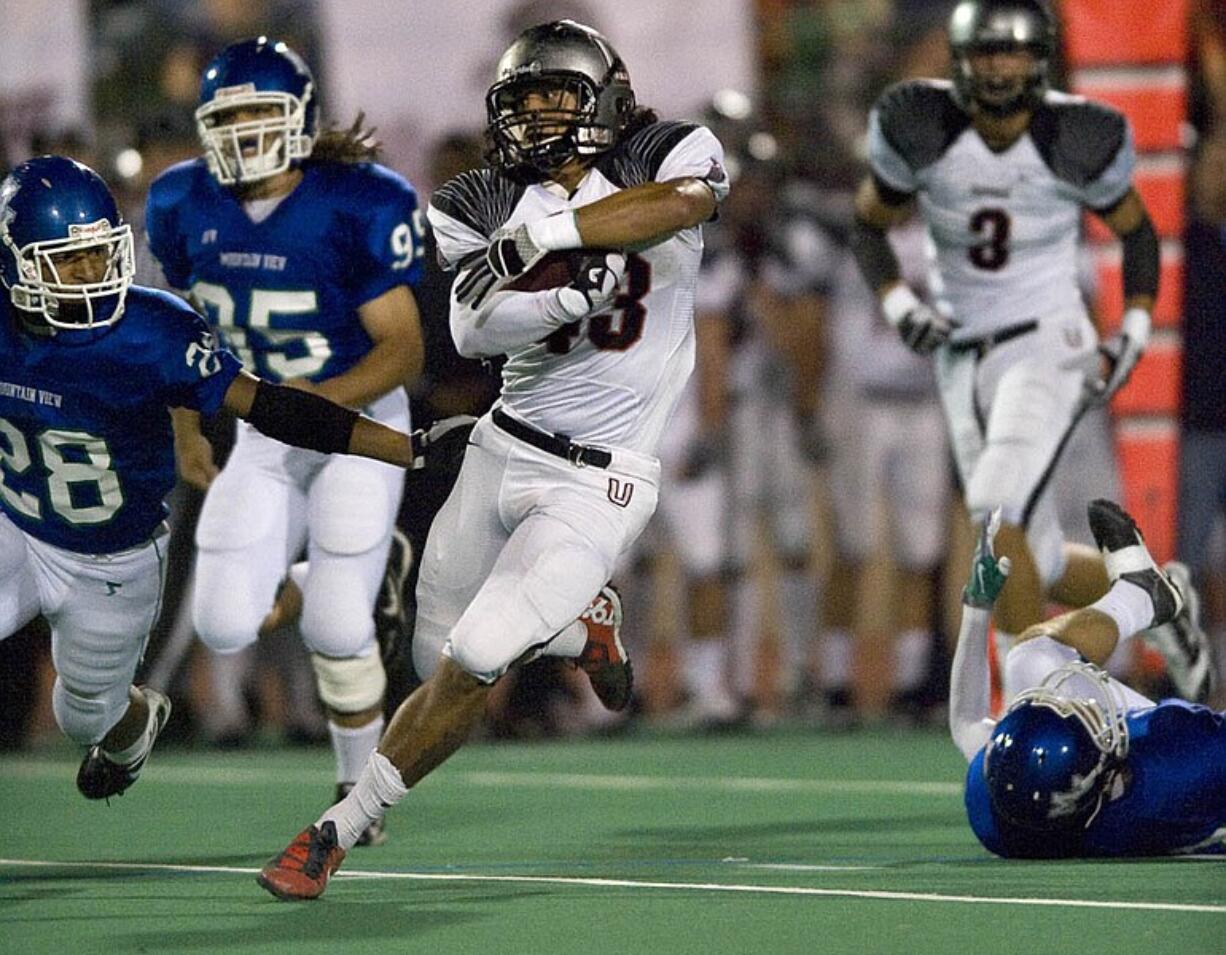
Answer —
(89, 368)
(302, 252)
(1081, 765)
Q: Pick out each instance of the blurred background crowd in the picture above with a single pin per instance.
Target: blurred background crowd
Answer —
(805, 563)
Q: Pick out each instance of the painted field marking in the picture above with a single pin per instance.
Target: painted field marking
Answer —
(878, 895)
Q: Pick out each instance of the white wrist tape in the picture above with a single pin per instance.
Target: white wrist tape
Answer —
(898, 302)
(557, 231)
(1136, 325)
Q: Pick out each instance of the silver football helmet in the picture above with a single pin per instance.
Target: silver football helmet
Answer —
(561, 92)
(979, 27)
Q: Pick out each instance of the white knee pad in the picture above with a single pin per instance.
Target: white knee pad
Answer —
(86, 719)
(483, 659)
(1031, 661)
(351, 684)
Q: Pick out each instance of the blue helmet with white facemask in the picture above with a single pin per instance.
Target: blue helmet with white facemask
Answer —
(54, 210)
(263, 76)
(1054, 755)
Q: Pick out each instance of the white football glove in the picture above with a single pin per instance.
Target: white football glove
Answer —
(1122, 351)
(593, 289)
(922, 328)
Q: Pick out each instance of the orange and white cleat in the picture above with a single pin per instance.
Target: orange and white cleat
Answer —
(604, 659)
(302, 870)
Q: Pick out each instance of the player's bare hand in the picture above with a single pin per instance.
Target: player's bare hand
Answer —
(194, 456)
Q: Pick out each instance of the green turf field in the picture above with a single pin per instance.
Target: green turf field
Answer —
(773, 843)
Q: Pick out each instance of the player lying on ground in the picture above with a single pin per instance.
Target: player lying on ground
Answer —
(89, 366)
(1080, 764)
(561, 477)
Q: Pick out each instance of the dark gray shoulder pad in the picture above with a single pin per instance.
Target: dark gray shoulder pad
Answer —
(1078, 139)
(638, 158)
(920, 120)
(482, 199)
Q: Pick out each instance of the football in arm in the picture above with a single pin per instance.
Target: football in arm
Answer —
(554, 270)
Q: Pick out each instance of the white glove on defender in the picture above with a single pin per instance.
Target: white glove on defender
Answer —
(922, 328)
(1122, 351)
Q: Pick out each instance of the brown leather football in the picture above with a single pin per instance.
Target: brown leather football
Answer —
(554, 270)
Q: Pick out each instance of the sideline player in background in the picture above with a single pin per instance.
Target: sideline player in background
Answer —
(1001, 169)
(89, 367)
(560, 478)
(1080, 764)
(303, 252)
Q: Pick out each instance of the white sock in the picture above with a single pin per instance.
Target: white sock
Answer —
(378, 788)
(569, 642)
(911, 649)
(353, 746)
(836, 658)
(1128, 605)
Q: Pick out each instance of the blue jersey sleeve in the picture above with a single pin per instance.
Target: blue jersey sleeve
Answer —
(391, 247)
(166, 240)
(197, 372)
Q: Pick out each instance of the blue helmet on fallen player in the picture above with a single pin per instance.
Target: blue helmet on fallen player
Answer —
(1054, 755)
(983, 27)
(66, 255)
(257, 114)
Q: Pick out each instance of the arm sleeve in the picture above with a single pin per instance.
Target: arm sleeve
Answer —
(198, 371)
(969, 689)
(390, 246)
(887, 164)
(505, 322)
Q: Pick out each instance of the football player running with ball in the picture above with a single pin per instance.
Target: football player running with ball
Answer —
(303, 252)
(1080, 764)
(89, 368)
(1001, 170)
(561, 477)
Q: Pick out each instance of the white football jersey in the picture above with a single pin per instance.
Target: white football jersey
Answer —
(1004, 225)
(614, 378)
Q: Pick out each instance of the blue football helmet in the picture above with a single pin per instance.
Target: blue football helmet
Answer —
(1055, 754)
(264, 77)
(67, 255)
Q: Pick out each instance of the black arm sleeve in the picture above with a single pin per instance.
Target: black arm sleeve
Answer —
(876, 258)
(301, 419)
(1142, 260)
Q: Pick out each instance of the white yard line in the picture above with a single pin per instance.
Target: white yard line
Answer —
(243, 776)
(795, 890)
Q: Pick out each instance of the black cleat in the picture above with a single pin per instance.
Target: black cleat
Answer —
(100, 777)
(1126, 558)
(1187, 649)
(375, 834)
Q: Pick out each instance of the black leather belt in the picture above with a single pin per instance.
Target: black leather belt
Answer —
(988, 342)
(559, 445)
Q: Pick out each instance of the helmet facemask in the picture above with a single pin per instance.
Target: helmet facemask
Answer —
(253, 149)
(544, 121)
(1003, 93)
(47, 288)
